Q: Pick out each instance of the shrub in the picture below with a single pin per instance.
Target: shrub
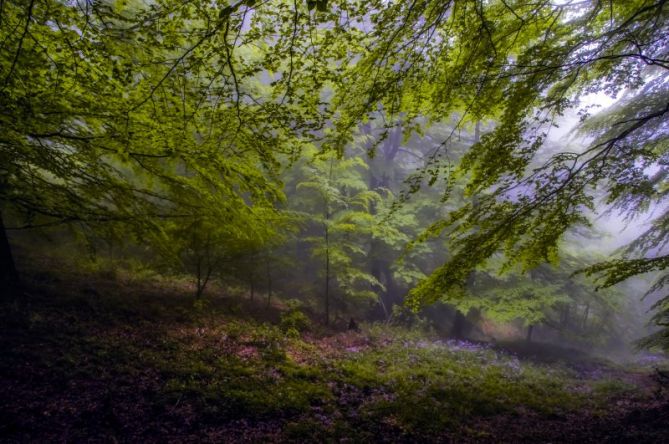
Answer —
(293, 319)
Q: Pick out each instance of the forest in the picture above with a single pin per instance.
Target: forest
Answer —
(334, 221)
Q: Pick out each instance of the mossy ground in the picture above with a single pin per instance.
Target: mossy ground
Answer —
(106, 358)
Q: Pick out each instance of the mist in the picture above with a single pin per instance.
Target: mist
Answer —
(334, 221)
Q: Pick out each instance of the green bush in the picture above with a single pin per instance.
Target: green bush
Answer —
(293, 319)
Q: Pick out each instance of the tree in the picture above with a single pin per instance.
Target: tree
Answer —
(548, 295)
(521, 65)
(394, 156)
(136, 112)
(335, 201)
(209, 248)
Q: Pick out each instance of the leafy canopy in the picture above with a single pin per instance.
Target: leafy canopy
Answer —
(140, 111)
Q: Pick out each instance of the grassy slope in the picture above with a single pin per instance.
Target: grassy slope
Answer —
(116, 360)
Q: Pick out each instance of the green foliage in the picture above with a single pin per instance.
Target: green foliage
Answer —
(152, 118)
(511, 299)
(549, 295)
(613, 272)
(172, 124)
(334, 202)
(522, 65)
(293, 320)
(432, 386)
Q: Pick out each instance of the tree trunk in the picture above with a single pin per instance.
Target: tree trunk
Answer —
(202, 282)
(377, 273)
(459, 323)
(327, 249)
(564, 321)
(382, 171)
(9, 277)
(327, 275)
(393, 295)
(268, 272)
(389, 296)
(198, 283)
(529, 333)
(585, 316)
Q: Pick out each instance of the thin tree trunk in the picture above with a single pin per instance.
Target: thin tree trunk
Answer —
(252, 288)
(375, 270)
(327, 275)
(387, 314)
(392, 293)
(327, 250)
(529, 333)
(269, 281)
(198, 285)
(585, 316)
(564, 321)
(9, 277)
(205, 281)
(202, 277)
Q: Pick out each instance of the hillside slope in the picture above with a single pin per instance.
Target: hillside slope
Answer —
(95, 358)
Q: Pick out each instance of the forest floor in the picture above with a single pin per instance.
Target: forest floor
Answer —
(107, 358)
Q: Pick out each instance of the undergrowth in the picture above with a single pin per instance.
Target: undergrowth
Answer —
(145, 362)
